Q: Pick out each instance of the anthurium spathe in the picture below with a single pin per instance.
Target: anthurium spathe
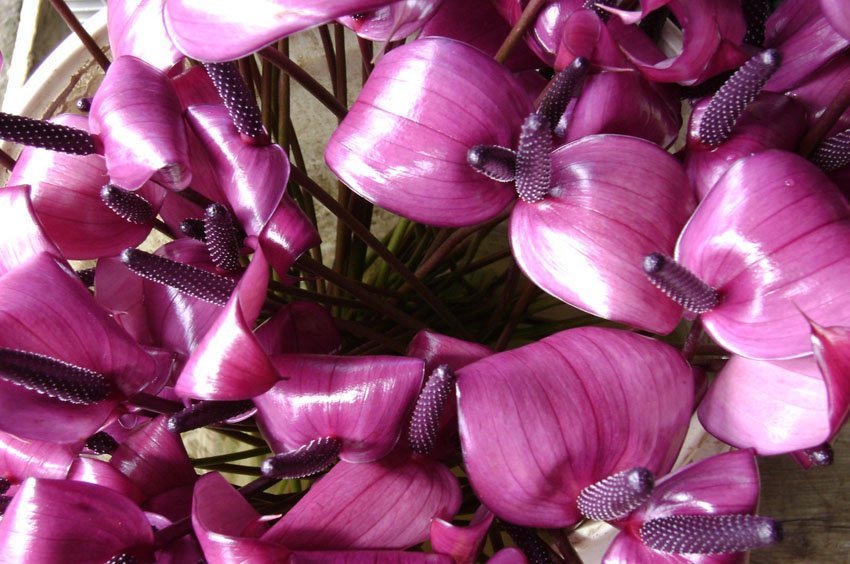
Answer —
(611, 197)
(529, 464)
(786, 406)
(392, 22)
(136, 28)
(725, 488)
(769, 239)
(24, 237)
(66, 364)
(403, 145)
(21, 459)
(48, 520)
(191, 23)
(838, 15)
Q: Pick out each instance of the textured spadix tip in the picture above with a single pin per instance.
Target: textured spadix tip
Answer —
(710, 534)
(123, 558)
(493, 161)
(560, 91)
(46, 135)
(534, 160)
(240, 103)
(220, 237)
(206, 413)
(187, 279)
(101, 443)
(83, 104)
(193, 228)
(312, 458)
(833, 153)
(735, 95)
(822, 455)
(128, 205)
(529, 543)
(680, 284)
(53, 378)
(617, 495)
(425, 421)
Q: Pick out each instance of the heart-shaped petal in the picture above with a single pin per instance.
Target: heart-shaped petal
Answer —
(393, 22)
(461, 543)
(22, 459)
(23, 237)
(136, 28)
(300, 327)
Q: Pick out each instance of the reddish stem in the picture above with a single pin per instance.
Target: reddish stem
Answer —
(88, 42)
(526, 20)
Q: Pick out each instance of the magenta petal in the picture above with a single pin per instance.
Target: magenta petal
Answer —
(367, 557)
(22, 237)
(837, 14)
(832, 347)
(403, 144)
(136, 28)
(191, 23)
(287, 235)
(509, 556)
(138, 116)
(772, 407)
(65, 193)
(393, 22)
(21, 459)
(229, 363)
(461, 543)
(300, 327)
(384, 504)
(44, 309)
(94, 471)
(361, 400)
(616, 199)
(227, 526)
(252, 178)
(50, 519)
(436, 349)
(627, 548)
(529, 463)
(773, 237)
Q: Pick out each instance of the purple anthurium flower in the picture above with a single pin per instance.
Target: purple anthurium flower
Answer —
(701, 513)
(49, 518)
(461, 543)
(583, 241)
(65, 194)
(768, 241)
(779, 407)
(300, 327)
(136, 28)
(21, 459)
(712, 34)
(403, 145)
(24, 237)
(838, 15)
(191, 23)
(392, 22)
(529, 464)
(361, 401)
(67, 366)
(137, 113)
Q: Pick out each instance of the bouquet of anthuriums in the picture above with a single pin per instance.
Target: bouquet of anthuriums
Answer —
(673, 170)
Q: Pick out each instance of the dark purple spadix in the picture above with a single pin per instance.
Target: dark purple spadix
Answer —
(127, 205)
(833, 153)
(307, 460)
(534, 161)
(680, 284)
(46, 135)
(238, 100)
(756, 13)
(206, 413)
(595, 6)
(529, 543)
(560, 91)
(734, 97)
(710, 534)
(5, 484)
(83, 104)
(820, 455)
(123, 558)
(193, 228)
(493, 161)
(425, 421)
(101, 443)
(617, 495)
(221, 238)
(52, 377)
(193, 281)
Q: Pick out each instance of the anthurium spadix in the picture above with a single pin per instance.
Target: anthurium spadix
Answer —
(66, 365)
(771, 239)
(785, 406)
(529, 464)
(191, 23)
(403, 145)
(611, 197)
(701, 513)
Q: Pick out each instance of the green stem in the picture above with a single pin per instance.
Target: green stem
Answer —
(241, 436)
(397, 235)
(210, 461)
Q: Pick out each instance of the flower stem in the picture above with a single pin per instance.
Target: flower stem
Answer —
(7, 161)
(526, 20)
(240, 436)
(230, 457)
(303, 77)
(826, 121)
(529, 292)
(330, 56)
(74, 24)
(155, 404)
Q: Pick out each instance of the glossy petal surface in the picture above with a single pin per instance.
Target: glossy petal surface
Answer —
(529, 463)
(462, 543)
(21, 459)
(436, 349)
(378, 505)
(136, 28)
(300, 327)
(837, 14)
(771, 238)
(615, 200)
(22, 237)
(287, 235)
(403, 145)
(138, 116)
(191, 23)
(393, 22)
(360, 400)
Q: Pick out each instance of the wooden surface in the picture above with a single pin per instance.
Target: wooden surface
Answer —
(814, 506)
